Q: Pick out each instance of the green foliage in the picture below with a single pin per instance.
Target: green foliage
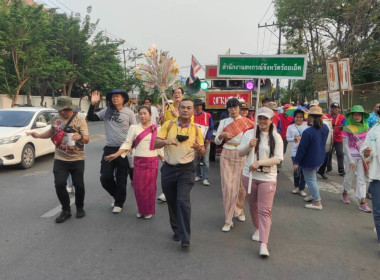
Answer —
(56, 51)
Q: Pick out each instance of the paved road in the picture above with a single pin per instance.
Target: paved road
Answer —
(336, 243)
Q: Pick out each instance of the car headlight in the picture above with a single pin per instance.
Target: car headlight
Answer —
(8, 140)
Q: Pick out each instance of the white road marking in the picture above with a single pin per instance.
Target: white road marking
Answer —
(56, 210)
(36, 173)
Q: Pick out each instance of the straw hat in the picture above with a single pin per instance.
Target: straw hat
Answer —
(315, 110)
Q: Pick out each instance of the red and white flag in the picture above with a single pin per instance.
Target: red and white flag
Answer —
(194, 69)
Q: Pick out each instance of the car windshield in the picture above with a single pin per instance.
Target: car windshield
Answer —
(15, 118)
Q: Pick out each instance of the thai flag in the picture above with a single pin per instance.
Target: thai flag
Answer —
(194, 69)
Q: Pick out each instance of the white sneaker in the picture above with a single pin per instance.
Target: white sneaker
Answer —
(256, 236)
(264, 251)
(315, 207)
(197, 179)
(308, 198)
(113, 203)
(148, 216)
(205, 182)
(162, 197)
(138, 215)
(227, 228)
(303, 193)
(116, 210)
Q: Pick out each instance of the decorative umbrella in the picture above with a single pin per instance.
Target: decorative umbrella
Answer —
(160, 71)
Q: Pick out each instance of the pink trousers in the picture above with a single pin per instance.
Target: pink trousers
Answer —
(260, 202)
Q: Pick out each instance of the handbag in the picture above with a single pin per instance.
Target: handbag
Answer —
(57, 138)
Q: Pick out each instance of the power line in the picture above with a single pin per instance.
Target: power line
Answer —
(266, 12)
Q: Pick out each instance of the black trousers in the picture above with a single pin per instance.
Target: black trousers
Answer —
(177, 182)
(338, 146)
(114, 175)
(322, 169)
(61, 171)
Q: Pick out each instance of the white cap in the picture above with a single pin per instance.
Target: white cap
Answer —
(314, 103)
(266, 112)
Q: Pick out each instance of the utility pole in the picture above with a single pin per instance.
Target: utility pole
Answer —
(125, 64)
(277, 92)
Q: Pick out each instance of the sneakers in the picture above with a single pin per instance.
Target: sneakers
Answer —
(205, 182)
(162, 197)
(63, 217)
(80, 213)
(308, 198)
(323, 175)
(303, 193)
(314, 207)
(342, 173)
(295, 190)
(185, 244)
(365, 208)
(116, 210)
(345, 198)
(256, 236)
(147, 217)
(197, 179)
(176, 237)
(264, 250)
(138, 215)
(227, 228)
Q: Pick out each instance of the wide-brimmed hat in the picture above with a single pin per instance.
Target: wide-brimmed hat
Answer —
(316, 110)
(117, 91)
(273, 106)
(358, 109)
(198, 102)
(266, 112)
(64, 102)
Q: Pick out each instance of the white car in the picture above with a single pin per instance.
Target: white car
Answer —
(15, 146)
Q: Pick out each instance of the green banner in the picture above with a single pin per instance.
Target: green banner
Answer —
(275, 66)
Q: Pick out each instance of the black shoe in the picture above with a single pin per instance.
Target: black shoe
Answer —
(342, 173)
(176, 237)
(329, 171)
(63, 217)
(185, 244)
(323, 175)
(80, 213)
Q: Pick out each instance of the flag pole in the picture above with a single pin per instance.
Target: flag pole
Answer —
(254, 134)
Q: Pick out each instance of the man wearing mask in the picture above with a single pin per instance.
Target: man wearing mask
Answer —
(117, 120)
(338, 121)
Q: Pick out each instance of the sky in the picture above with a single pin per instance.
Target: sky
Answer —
(203, 28)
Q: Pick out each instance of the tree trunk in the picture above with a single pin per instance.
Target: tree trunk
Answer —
(43, 89)
(71, 84)
(20, 85)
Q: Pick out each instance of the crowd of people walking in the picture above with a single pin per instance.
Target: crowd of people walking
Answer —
(253, 148)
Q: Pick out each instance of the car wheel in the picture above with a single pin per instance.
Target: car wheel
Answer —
(27, 157)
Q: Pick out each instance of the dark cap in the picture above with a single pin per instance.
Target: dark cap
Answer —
(252, 108)
(244, 105)
(198, 102)
(335, 104)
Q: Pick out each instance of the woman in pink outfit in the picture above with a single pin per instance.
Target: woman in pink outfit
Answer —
(267, 146)
(141, 137)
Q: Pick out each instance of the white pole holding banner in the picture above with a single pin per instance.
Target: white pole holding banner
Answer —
(254, 133)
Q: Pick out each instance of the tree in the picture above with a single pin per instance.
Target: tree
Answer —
(22, 29)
